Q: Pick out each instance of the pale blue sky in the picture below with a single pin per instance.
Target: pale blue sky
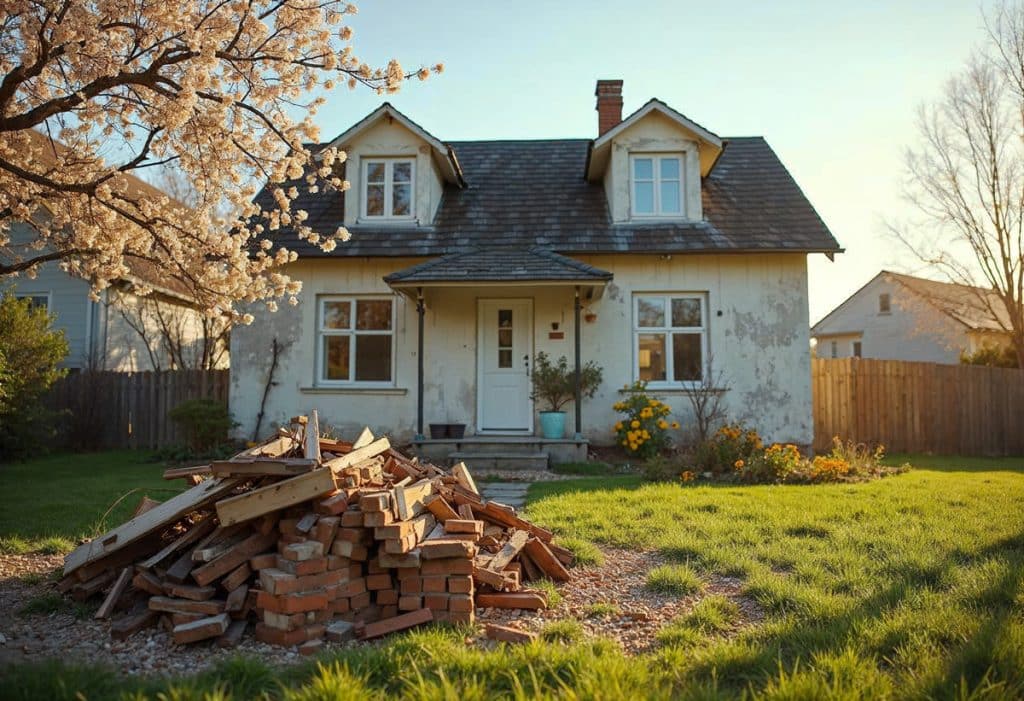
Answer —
(833, 86)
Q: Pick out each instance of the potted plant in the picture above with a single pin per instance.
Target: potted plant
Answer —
(555, 384)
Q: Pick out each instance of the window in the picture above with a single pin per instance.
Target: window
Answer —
(388, 188)
(857, 349)
(884, 303)
(657, 185)
(835, 349)
(36, 299)
(356, 340)
(670, 338)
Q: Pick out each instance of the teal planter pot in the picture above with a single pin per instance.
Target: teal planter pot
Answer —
(552, 424)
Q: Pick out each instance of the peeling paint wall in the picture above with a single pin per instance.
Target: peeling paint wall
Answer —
(760, 341)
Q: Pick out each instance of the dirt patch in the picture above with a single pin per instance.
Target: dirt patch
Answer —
(620, 581)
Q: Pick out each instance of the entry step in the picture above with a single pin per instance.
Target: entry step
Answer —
(481, 461)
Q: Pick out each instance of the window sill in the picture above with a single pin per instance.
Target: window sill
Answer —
(680, 391)
(378, 391)
(387, 221)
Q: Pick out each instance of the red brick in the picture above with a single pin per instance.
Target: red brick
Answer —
(404, 573)
(352, 519)
(388, 611)
(306, 550)
(410, 602)
(285, 638)
(460, 602)
(461, 616)
(456, 565)
(292, 603)
(337, 562)
(287, 526)
(437, 602)
(435, 584)
(386, 597)
(360, 601)
(311, 647)
(341, 605)
(355, 586)
(460, 585)
(411, 585)
(333, 505)
(301, 568)
(376, 582)
(395, 623)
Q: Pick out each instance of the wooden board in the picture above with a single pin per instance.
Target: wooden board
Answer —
(115, 594)
(508, 551)
(545, 560)
(461, 473)
(173, 473)
(275, 496)
(359, 454)
(142, 525)
(262, 467)
(311, 448)
(409, 501)
(191, 535)
(365, 438)
(274, 448)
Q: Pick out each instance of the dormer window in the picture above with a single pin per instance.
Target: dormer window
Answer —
(657, 184)
(388, 188)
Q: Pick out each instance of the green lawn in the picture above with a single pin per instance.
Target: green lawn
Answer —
(51, 503)
(908, 587)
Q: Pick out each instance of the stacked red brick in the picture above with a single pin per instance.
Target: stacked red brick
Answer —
(314, 538)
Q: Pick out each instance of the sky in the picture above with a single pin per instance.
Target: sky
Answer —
(833, 86)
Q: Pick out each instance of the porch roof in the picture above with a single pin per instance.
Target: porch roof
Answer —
(499, 265)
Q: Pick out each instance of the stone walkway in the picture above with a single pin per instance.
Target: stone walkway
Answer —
(510, 493)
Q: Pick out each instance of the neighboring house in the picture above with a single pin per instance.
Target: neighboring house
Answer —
(678, 245)
(900, 317)
(121, 331)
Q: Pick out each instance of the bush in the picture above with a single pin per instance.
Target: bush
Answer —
(206, 423)
(643, 430)
(555, 383)
(29, 353)
(991, 356)
(731, 447)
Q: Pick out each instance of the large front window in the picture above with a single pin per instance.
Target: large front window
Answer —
(670, 339)
(388, 188)
(657, 181)
(356, 340)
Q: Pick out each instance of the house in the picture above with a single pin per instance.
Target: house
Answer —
(901, 317)
(662, 251)
(122, 330)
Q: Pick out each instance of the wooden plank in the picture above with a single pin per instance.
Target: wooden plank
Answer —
(461, 473)
(396, 623)
(440, 507)
(173, 473)
(511, 600)
(409, 500)
(495, 514)
(275, 496)
(253, 545)
(545, 560)
(204, 628)
(168, 512)
(365, 438)
(311, 447)
(115, 594)
(199, 530)
(358, 455)
(262, 467)
(508, 552)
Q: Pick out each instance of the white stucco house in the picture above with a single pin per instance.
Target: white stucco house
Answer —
(902, 317)
(653, 247)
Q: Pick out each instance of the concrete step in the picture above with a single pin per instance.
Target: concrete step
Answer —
(477, 461)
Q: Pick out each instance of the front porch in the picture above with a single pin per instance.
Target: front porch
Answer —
(503, 452)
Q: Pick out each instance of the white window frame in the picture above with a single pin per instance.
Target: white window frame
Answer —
(30, 295)
(669, 330)
(389, 166)
(321, 379)
(658, 213)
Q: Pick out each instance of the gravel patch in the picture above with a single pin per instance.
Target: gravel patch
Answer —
(619, 581)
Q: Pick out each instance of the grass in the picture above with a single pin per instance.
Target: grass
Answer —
(908, 587)
(52, 503)
(52, 602)
(601, 609)
(676, 580)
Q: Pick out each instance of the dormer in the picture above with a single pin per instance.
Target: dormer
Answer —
(652, 162)
(396, 170)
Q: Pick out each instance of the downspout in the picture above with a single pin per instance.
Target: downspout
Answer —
(576, 334)
(420, 310)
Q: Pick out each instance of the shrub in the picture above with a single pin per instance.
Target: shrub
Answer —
(206, 423)
(774, 464)
(674, 579)
(555, 382)
(643, 430)
(29, 353)
(730, 445)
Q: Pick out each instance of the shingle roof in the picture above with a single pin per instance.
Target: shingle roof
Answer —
(500, 265)
(976, 308)
(532, 194)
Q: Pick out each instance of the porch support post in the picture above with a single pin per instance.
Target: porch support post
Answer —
(576, 336)
(420, 310)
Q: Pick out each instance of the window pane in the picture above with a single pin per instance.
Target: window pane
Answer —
(336, 315)
(373, 314)
(505, 358)
(686, 312)
(35, 301)
(670, 169)
(644, 198)
(687, 363)
(336, 357)
(375, 200)
(401, 200)
(402, 173)
(650, 311)
(504, 338)
(375, 173)
(373, 358)
(670, 197)
(651, 356)
(643, 168)
(505, 318)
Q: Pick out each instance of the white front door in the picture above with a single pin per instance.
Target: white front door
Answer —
(505, 351)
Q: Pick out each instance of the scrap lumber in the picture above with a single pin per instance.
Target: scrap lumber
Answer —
(274, 448)
(543, 558)
(396, 623)
(173, 473)
(238, 554)
(204, 628)
(126, 626)
(262, 467)
(364, 438)
(512, 600)
(311, 447)
(142, 525)
(275, 496)
(197, 531)
(115, 594)
(508, 552)
(409, 500)
(508, 634)
(358, 455)
(465, 479)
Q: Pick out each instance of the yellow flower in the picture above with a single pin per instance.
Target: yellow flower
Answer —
(653, 402)
(634, 424)
(662, 424)
(618, 425)
(645, 434)
(625, 442)
(738, 464)
(675, 424)
(632, 446)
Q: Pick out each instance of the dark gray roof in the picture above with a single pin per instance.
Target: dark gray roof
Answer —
(500, 264)
(532, 194)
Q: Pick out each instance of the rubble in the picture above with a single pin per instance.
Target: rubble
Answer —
(309, 538)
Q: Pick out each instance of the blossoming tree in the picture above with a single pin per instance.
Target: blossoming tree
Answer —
(95, 90)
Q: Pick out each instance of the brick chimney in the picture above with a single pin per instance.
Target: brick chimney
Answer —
(609, 104)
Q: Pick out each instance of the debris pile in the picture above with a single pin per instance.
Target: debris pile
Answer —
(312, 538)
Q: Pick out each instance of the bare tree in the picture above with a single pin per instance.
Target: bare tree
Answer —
(966, 177)
(708, 402)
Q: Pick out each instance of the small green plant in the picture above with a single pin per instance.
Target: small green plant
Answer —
(586, 552)
(713, 614)
(728, 450)
(550, 590)
(660, 468)
(677, 580)
(51, 603)
(601, 609)
(566, 631)
(643, 429)
(206, 423)
(555, 382)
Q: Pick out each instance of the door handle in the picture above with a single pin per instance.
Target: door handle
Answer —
(526, 362)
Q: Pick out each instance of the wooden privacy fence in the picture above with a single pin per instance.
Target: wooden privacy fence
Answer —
(130, 409)
(919, 407)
